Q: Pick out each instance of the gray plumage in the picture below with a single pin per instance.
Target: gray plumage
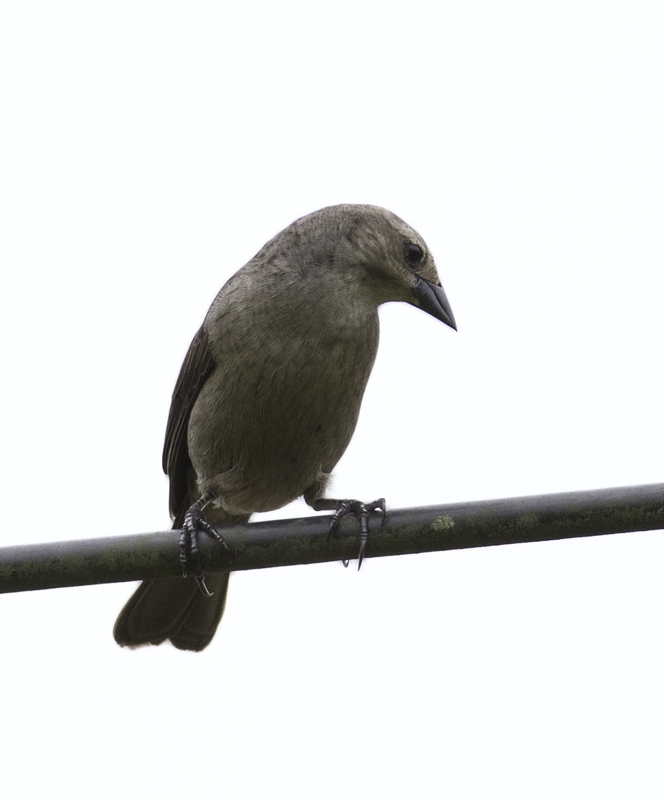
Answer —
(270, 391)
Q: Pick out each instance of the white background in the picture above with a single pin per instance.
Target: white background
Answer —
(148, 150)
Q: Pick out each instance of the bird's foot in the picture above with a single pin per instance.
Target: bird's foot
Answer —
(195, 523)
(357, 509)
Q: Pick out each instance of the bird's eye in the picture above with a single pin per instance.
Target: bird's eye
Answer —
(413, 253)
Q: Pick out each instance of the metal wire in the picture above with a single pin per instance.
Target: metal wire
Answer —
(305, 541)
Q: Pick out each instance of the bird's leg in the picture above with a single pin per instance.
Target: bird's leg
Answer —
(357, 509)
(194, 523)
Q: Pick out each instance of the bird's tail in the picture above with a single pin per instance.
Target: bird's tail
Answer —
(174, 609)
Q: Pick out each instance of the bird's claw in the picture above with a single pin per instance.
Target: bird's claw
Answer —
(361, 511)
(195, 523)
(200, 580)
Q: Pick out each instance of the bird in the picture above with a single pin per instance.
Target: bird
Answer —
(269, 394)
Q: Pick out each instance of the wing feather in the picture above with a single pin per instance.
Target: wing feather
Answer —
(197, 366)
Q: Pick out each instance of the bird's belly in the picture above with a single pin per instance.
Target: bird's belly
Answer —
(261, 438)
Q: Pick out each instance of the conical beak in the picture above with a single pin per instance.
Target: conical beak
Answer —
(432, 299)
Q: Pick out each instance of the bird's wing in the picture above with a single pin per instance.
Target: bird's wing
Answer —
(197, 366)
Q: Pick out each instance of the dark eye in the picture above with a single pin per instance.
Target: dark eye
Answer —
(413, 253)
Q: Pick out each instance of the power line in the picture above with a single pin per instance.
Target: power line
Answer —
(257, 545)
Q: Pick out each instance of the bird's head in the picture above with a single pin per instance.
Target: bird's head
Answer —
(384, 257)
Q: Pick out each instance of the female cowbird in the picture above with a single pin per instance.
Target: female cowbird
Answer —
(270, 391)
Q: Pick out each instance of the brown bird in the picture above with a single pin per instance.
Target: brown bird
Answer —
(270, 391)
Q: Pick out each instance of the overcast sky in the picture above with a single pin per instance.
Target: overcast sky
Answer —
(148, 150)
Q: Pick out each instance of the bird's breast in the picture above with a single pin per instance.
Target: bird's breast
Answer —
(279, 410)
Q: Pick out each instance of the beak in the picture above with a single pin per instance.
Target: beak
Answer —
(431, 298)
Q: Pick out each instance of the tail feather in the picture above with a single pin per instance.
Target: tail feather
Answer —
(175, 609)
(203, 616)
